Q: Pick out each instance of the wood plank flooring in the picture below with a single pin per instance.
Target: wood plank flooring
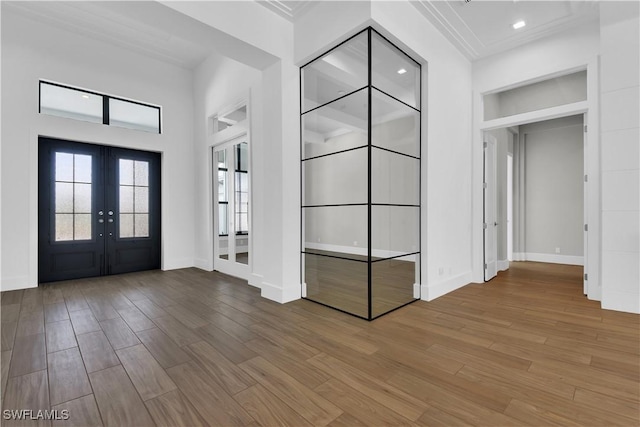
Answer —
(194, 348)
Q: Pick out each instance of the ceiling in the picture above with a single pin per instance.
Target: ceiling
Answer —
(477, 28)
(481, 28)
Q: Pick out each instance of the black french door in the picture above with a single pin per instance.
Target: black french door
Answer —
(98, 210)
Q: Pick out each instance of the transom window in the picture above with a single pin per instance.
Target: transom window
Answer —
(79, 104)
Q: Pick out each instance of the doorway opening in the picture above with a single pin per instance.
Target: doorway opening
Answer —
(538, 195)
(99, 210)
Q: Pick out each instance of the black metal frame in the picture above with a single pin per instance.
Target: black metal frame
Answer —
(105, 102)
(369, 88)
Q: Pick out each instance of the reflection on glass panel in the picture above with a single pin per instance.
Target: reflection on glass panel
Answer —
(243, 156)
(392, 283)
(394, 125)
(223, 221)
(126, 225)
(242, 202)
(394, 72)
(141, 173)
(336, 179)
(338, 283)
(337, 126)
(222, 186)
(536, 96)
(70, 103)
(131, 115)
(242, 249)
(126, 172)
(82, 198)
(222, 159)
(336, 230)
(82, 227)
(396, 178)
(141, 225)
(64, 167)
(64, 197)
(394, 230)
(126, 199)
(340, 71)
(141, 202)
(82, 168)
(64, 227)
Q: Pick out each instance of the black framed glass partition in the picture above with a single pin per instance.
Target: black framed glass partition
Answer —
(360, 166)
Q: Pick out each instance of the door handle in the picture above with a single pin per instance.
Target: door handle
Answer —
(110, 213)
(110, 220)
(100, 220)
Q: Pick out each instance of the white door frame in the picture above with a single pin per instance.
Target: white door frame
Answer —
(592, 255)
(490, 224)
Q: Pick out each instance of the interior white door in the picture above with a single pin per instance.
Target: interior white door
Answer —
(490, 208)
(585, 283)
(231, 208)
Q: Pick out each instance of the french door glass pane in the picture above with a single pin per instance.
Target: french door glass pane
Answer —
(72, 196)
(133, 198)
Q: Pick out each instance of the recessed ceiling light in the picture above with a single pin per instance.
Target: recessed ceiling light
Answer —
(402, 71)
(519, 24)
(85, 96)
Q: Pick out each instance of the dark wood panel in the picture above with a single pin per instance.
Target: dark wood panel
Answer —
(135, 319)
(96, 351)
(148, 377)
(30, 392)
(119, 403)
(83, 412)
(118, 333)
(55, 312)
(313, 407)
(29, 355)
(209, 399)
(84, 321)
(226, 373)
(525, 349)
(67, 376)
(163, 348)
(60, 336)
(267, 409)
(172, 409)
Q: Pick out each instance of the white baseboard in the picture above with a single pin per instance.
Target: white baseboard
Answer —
(255, 280)
(279, 294)
(416, 290)
(16, 283)
(431, 292)
(176, 264)
(203, 264)
(358, 251)
(503, 265)
(555, 258)
(621, 301)
(519, 256)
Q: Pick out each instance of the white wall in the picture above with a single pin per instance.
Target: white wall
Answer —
(218, 83)
(620, 123)
(554, 202)
(34, 50)
(446, 147)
